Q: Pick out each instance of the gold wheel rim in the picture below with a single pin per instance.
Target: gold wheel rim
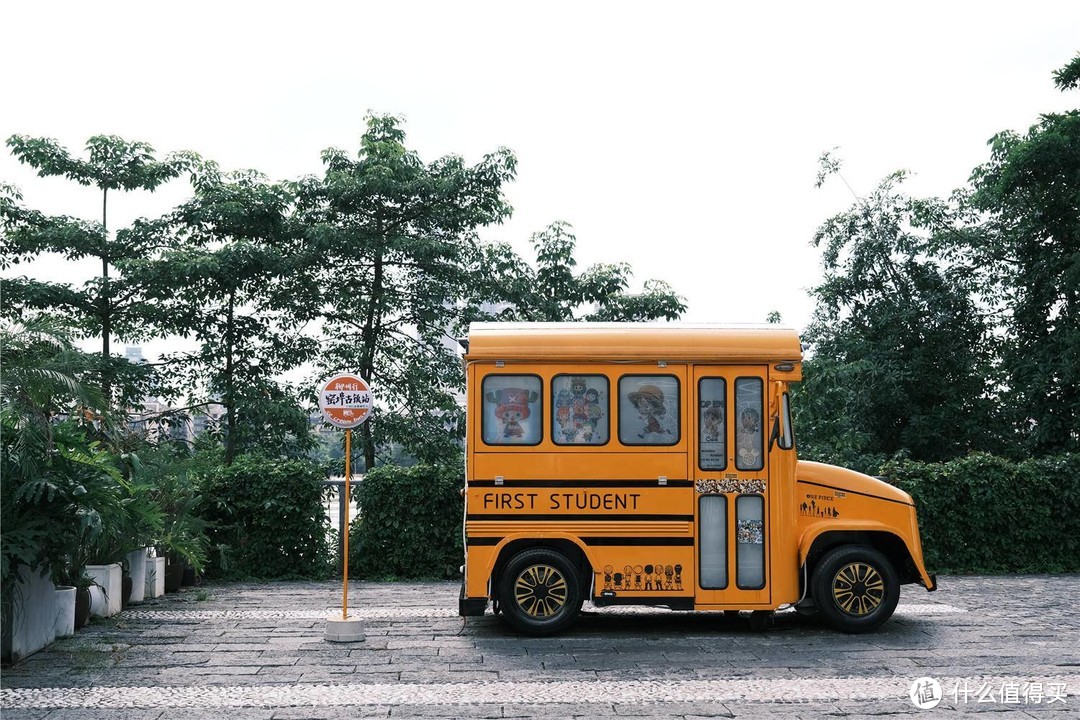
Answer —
(540, 591)
(858, 589)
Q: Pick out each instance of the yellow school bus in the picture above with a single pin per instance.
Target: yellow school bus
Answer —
(656, 465)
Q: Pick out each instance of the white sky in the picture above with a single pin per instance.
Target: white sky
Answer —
(681, 138)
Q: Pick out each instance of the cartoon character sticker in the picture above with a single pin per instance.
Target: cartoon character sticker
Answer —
(647, 578)
(580, 416)
(511, 410)
(712, 428)
(748, 427)
(649, 410)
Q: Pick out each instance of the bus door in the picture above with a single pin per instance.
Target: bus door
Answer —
(730, 468)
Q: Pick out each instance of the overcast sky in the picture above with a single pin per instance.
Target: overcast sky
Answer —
(681, 138)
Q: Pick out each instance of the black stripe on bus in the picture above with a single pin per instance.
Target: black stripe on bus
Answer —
(643, 541)
(855, 492)
(618, 542)
(580, 483)
(483, 540)
(583, 517)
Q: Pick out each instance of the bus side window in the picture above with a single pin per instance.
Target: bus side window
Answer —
(581, 410)
(513, 410)
(712, 424)
(649, 410)
(749, 430)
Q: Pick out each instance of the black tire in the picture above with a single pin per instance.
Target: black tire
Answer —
(855, 588)
(540, 592)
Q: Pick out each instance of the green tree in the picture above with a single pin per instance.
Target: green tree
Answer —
(107, 306)
(229, 284)
(552, 292)
(901, 358)
(1029, 245)
(396, 251)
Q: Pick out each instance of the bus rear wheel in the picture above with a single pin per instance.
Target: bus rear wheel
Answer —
(540, 592)
(855, 588)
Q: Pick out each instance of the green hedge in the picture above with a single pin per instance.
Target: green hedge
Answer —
(409, 524)
(986, 514)
(266, 519)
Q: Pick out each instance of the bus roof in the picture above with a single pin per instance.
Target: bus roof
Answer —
(583, 341)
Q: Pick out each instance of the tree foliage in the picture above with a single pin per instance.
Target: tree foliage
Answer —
(394, 247)
(901, 355)
(945, 327)
(552, 291)
(107, 305)
(228, 284)
(1029, 241)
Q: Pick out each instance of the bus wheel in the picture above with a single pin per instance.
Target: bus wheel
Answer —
(855, 588)
(539, 592)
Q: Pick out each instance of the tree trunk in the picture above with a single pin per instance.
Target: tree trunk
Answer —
(367, 356)
(104, 303)
(230, 400)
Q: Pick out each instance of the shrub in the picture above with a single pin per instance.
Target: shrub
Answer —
(266, 519)
(409, 524)
(983, 513)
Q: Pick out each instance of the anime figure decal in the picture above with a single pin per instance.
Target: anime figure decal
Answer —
(644, 578)
(712, 430)
(649, 401)
(511, 408)
(713, 424)
(748, 439)
(748, 426)
(580, 404)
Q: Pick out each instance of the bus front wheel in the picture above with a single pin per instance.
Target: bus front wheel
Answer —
(855, 588)
(539, 592)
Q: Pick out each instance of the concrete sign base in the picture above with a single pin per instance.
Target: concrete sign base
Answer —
(339, 630)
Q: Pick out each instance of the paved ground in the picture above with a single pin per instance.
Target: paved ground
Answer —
(256, 651)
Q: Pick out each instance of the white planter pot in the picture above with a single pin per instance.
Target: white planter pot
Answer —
(33, 615)
(137, 563)
(65, 611)
(105, 595)
(155, 577)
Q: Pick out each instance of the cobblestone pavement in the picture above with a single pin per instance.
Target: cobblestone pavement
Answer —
(257, 651)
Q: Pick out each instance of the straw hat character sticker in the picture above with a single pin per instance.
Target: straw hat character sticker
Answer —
(651, 405)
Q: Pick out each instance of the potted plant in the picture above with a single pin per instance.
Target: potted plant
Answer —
(134, 516)
(182, 540)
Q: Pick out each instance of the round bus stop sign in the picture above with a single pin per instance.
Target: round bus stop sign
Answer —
(345, 400)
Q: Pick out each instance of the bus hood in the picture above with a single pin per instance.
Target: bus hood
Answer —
(850, 481)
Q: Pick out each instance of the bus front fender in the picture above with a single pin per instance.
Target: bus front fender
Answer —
(859, 530)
